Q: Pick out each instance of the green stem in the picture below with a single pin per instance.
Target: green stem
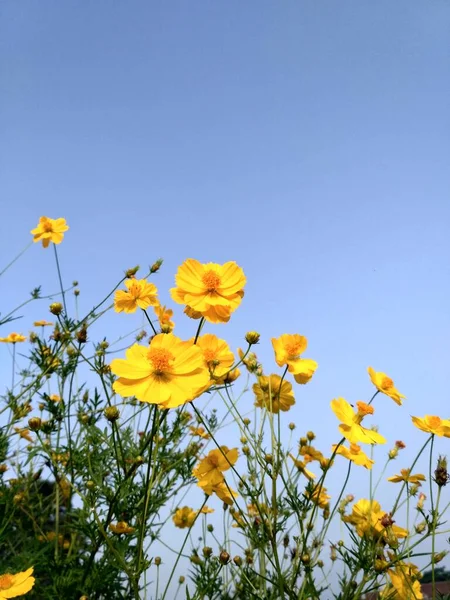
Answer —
(14, 259)
(60, 279)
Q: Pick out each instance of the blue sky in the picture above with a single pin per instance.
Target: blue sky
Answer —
(308, 141)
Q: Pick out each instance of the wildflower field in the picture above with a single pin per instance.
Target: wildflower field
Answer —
(169, 467)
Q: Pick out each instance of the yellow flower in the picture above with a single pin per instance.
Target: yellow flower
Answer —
(217, 355)
(43, 324)
(318, 495)
(405, 583)
(24, 433)
(191, 313)
(140, 294)
(310, 453)
(369, 520)
(206, 510)
(288, 349)
(385, 385)
(223, 491)
(169, 372)
(405, 476)
(55, 398)
(15, 585)
(273, 394)
(210, 469)
(229, 377)
(122, 528)
(432, 424)
(200, 431)
(213, 290)
(184, 517)
(301, 466)
(356, 455)
(49, 230)
(13, 338)
(350, 422)
(164, 317)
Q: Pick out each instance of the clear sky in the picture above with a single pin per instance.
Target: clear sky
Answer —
(308, 141)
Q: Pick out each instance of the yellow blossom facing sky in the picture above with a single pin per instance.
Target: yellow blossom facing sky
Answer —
(43, 323)
(288, 348)
(210, 469)
(15, 585)
(273, 394)
(49, 230)
(351, 427)
(433, 424)
(139, 294)
(385, 385)
(13, 338)
(222, 490)
(121, 528)
(168, 372)
(367, 517)
(407, 477)
(217, 356)
(355, 454)
(213, 290)
(184, 517)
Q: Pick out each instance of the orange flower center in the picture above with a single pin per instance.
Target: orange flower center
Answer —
(433, 422)
(386, 383)
(364, 409)
(211, 280)
(292, 349)
(47, 227)
(355, 449)
(213, 460)
(161, 360)
(6, 581)
(209, 355)
(135, 290)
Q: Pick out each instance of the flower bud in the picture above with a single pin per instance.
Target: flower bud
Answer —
(34, 423)
(56, 308)
(207, 551)
(237, 561)
(82, 334)
(311, 435)
(291, 426)
(157, 560)
(224, 557)
(441, 476)
(111, 413)
(181, 579)
(156, 265)
(130, 273)
(252, 337)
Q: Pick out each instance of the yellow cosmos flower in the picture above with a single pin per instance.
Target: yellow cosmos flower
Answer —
(229, 377)
(433, 424)
(13, 338)
(385, 385)
(217, 355)
(355, 454)
(200, 431)
(140, 294)
(184, 517)
(350, 426)
(273, 394)
(210, 469)
(301, 466)
(168, 372)
(310, 453)
(222, 490)
(49, 230)
(405, 583)
(288, 349)
(55, 398)
(318, 495)
(405, 476)
(213, 290)
(164, 317)
(206, 510)
(121, 528)
(24, 433)
(15, 585)
(370, 521)
(43, 324)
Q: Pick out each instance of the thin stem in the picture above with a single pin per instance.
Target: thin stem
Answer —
(200, 325)
(60, 280)
(14, 259)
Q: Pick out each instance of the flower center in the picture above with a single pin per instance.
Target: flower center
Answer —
(355, 449)
(47, 227)
(434, 422)
(160, 359)
(211, 280)
(386, 383)
(293, 349)
(6, 581)
(209, 356)
(135, 290)
(214, 460)
(364, 409)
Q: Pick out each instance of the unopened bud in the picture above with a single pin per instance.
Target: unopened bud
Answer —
(34, 423)
(252, 337)
(237, 561)
(157, 560)
(311, 435)
(56, 308)
(111, 413)
(130, 273)
(224, 557)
